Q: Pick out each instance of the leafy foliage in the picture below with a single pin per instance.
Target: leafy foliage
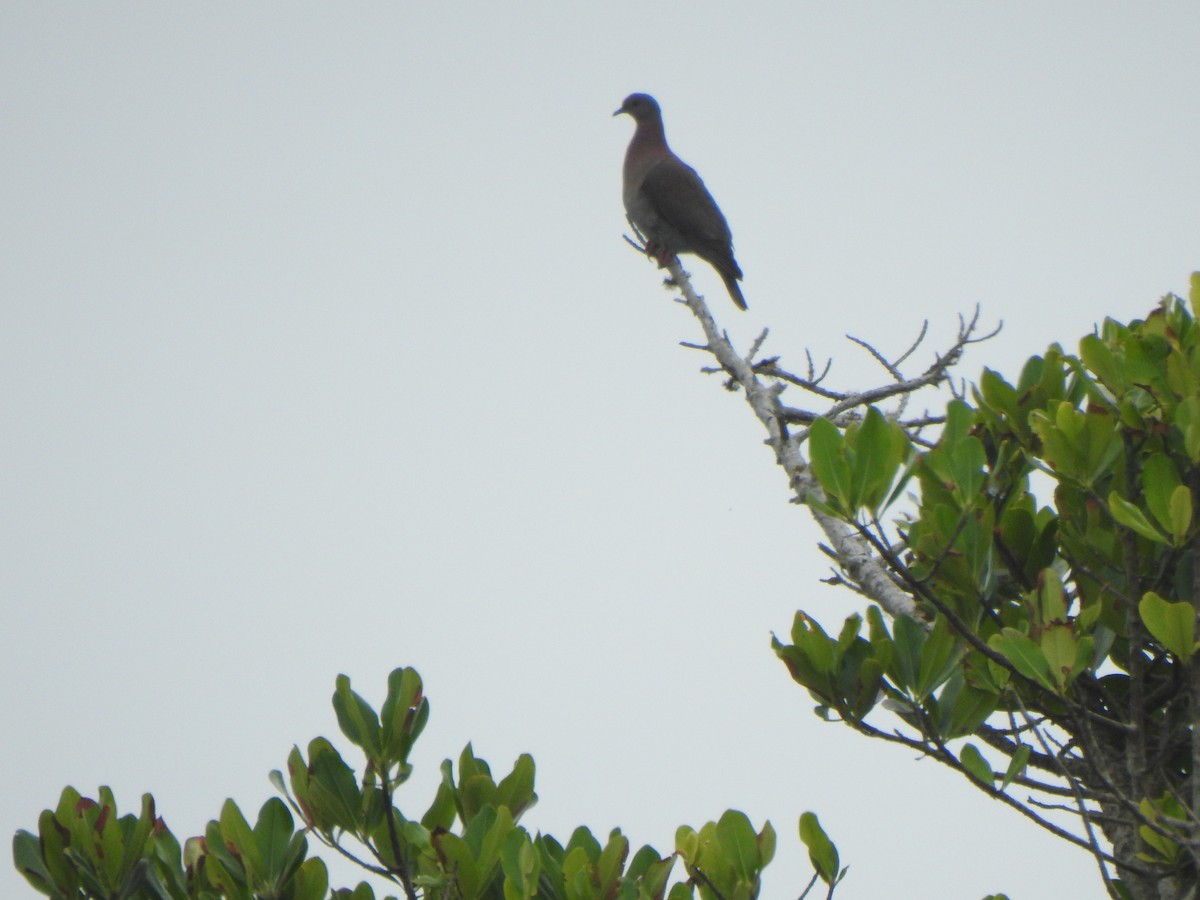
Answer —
(1034, 628)
(468, 844)
(1059, 635)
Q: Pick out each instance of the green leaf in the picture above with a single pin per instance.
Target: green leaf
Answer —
(273, 837)
(456, 856)
(403, 714)
(966, 455)
(819, 650)
(974, 763)
(277, 782)
(137, 835)
(27, 858)
(1127, 514)
(1164, 848)
(478, 792)
(1058, 647)
(849, 633)
(866, 686)
(235, 830)
(1159, 479)
(54, 838)
(877, 628)
(687, 841)
(821, 851)
(877, 456)
(970, 710)
(653, 881)
(1085, 655)
(357, 719)
(1026, 657)
(442, 811)
(1144, 358)
(1187, 420)
(334, 796)
(938, 659)
(1172, 624)
(515, 791)
(766, 845)
(739, 843)
(1089, 615)
(908, 638)
(1058, 427)
(1180, 514)
(1098, 357)
(1016, 765)
(910, 462)
(612, 860)
(998, 402)
(110, 850)
(829, 463)
(1052, 601)
(311, 882)
(521, 866)
(499, 825)
(470, 765)
(223, 862)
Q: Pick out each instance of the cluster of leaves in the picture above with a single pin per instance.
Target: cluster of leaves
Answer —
(467, 845)
(1058, 635)
(84, 848)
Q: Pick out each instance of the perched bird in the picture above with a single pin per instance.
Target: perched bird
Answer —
(669, 203)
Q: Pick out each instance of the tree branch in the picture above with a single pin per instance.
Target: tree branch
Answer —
(855, 557)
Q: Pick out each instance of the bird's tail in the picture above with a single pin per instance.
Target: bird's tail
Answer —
(735, 290)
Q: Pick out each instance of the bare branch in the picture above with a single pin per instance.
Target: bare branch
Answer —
(863, 567)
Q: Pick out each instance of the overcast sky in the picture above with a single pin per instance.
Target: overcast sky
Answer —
(321, 352)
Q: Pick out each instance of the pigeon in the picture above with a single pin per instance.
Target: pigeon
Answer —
(668, 202)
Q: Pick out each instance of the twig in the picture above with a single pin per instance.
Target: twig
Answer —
(856, 557)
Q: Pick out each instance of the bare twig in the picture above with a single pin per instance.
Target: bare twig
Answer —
(856, 558)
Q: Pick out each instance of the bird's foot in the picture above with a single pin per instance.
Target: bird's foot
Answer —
(659, 254)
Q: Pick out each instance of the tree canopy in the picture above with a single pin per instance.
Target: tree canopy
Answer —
(1030, 553)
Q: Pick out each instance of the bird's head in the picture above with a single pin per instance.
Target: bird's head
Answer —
(640, 106)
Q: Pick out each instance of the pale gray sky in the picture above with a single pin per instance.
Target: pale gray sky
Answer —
(321, 352)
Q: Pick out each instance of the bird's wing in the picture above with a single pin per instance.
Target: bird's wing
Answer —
(679, 196)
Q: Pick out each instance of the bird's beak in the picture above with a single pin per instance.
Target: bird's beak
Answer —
(619, 111)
